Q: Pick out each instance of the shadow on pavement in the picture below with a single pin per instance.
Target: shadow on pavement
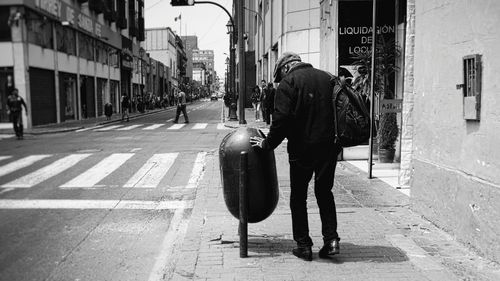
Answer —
(349, 252)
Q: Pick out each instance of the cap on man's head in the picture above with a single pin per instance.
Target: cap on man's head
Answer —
(285, 58)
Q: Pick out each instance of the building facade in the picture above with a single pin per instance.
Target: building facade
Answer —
(164, 46)
(68, 58)
(456, 125)
(448, 86)
(205, 57)
(274, 27)
(190, 44)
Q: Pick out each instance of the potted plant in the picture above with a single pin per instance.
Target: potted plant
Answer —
(386, 127)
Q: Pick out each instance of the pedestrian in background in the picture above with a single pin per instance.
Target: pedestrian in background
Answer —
(269, 102)
(125, 107)
(15, 105)
(263, 93)
(304, 115)
(256, 102)
(181, 106)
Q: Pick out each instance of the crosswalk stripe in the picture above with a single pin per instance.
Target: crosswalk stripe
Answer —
(98, 172)
(197, 171)
(21, 163)
(94, 204)
(153, 127)
(153, 171)
(46, 172)
(128, 128)
(200, 126)
(89, 128)
(109, 128)
(176, 126)
(5, 157)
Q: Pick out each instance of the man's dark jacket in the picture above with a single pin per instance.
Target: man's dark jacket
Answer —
(302, 111)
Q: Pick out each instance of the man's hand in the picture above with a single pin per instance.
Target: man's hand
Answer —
(256, 141)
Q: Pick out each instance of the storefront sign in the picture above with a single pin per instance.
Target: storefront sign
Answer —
(355, 27)
(72, 14)
(127, 59)
(391, 106)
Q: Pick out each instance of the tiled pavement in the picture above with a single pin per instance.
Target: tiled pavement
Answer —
(382, 239)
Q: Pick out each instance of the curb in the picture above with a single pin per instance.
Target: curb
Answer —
(62, 130)
(70, 129)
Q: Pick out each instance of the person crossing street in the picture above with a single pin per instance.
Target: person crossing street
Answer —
(181, 107)
(15, 110)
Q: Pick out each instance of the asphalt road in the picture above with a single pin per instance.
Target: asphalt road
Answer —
(103, 203)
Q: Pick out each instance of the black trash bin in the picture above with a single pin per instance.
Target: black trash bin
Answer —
(262, 180)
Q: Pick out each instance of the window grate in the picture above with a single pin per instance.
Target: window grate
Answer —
(472, 87)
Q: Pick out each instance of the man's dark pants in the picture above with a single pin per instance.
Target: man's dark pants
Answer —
(17, 122)
(178, 113)
(320, 160)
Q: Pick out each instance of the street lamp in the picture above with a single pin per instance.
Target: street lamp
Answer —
(232, 92)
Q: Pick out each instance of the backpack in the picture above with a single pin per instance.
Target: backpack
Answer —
(352, 118)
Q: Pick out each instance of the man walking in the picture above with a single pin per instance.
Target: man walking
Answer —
(125, 107)
(263, 97)
(303, 114)
(269, 102)
(181, 106)
(15, 111)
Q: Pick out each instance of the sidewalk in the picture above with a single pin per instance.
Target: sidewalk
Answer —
(73, 125)
(382, 239)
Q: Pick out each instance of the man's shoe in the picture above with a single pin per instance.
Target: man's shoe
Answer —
(329, 249)
(304, 253)
(186, 122)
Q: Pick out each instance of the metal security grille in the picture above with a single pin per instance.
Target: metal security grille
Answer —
(472, 87)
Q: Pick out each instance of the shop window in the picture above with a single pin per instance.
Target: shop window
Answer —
(85, 46)
(101, 52)
(4, 26)
(66, 40)
(39, 30)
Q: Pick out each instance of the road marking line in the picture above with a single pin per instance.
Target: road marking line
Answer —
(94, 204)
(199, 126)
(170, 120)
(128, 128)
(165, 261)
(153, 171)
(108, 128)
(6, 136)
(176, 126)
(198, 170)
(89, 128)
(46, 172)
(153, 127)
(99, 171)
(221, 126)
(5, 157)
(21, 163)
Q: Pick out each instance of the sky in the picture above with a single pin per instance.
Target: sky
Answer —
(206, 21)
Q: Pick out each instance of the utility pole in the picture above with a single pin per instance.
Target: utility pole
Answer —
(240, 12)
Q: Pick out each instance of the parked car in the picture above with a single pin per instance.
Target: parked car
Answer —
(213, 97)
